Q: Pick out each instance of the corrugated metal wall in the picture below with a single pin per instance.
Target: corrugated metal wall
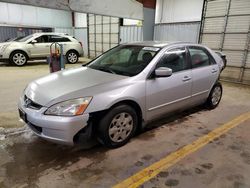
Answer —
(103, 33)
(177, 20)
(131, 34)
(188, 32)
(225, 27)
(7, 32)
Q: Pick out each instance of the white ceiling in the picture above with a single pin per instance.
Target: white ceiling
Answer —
(117, 8)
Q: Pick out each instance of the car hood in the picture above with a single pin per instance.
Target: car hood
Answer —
(64, 83)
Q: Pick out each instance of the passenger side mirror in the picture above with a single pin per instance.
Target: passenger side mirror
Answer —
(33, 41)
(163, 72)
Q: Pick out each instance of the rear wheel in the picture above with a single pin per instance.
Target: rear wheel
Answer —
(72, 57)
(214, 96)
(117, 126)
(18, 58)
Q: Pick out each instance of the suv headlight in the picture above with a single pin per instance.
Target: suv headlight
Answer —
(3, 47)
(72, 107)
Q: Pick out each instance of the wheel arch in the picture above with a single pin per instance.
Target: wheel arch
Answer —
(74, 50)
(96, 115)
(19, 50)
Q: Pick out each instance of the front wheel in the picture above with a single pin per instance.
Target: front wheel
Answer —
(72, 57)
(18, 58)
(215, 96)
(117, 126)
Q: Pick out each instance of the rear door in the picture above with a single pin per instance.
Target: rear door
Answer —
(205, 72)
(166, 94)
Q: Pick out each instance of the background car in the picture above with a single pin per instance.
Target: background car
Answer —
(37, 46)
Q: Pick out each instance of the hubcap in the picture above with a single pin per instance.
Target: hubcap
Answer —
(121, 127)
(216, 95)
(19, 59)
(72, 57)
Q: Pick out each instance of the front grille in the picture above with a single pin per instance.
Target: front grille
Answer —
(28, 103)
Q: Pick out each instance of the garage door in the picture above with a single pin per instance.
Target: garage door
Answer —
(103, 33)
(225, 27)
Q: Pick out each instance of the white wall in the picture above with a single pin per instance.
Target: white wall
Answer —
(23, 15)
(81, 34)
(81, 31)
(80, 20)
(171, 11)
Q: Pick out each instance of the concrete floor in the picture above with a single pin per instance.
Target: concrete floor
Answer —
(28, 161)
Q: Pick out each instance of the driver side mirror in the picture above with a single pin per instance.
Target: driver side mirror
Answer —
(33, 41)
(163, 72)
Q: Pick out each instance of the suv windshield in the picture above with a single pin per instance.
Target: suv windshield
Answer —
(127, 60)
(25, 38)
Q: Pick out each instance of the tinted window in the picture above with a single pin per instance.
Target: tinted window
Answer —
(42, 39)
(56, 38)
(174, 59)
(199, 57)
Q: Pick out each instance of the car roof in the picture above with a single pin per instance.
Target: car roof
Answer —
(50, 33)
(161, 44)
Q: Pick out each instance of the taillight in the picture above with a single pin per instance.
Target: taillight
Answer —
(80, 43)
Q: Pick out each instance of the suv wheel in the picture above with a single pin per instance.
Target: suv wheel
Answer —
(117, 126)
(214, 96)
(18, 58)
(72, 57)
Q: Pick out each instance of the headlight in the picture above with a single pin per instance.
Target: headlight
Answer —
(72, 107)
(2, 48)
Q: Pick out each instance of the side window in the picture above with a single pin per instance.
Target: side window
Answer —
(174, 59)
(199, 57)
(42, 39)
(56, 38)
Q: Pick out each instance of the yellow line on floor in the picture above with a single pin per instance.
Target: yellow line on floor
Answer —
(149, 172)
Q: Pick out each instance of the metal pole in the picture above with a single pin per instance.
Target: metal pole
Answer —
(225, 26)
(244, 60)
(203, 14)
(88, 34)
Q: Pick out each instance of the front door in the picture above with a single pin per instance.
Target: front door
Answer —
(166, 94)
(41, 48)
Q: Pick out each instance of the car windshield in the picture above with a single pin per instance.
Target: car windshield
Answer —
(14, 39)
(127, 60)
(24, 39)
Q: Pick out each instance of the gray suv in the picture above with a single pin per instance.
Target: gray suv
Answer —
(121, 91)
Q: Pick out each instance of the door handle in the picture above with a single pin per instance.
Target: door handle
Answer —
(214, 70)
(47, 46)
(186, 78)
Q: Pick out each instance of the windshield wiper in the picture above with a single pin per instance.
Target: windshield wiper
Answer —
(106, 69)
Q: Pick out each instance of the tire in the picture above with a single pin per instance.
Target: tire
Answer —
(215, 96)
(18, 58)
(72, 57)
(112, 131)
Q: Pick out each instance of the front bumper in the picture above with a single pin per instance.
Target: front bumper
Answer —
(57, 129)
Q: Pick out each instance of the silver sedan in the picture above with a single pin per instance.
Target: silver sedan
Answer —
(121, 91)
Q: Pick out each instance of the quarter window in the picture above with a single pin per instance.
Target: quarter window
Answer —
(199, 57)
(174, 59)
